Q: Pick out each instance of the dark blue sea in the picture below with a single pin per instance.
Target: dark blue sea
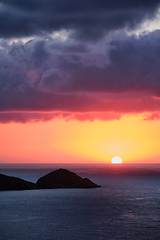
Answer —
(126, 207)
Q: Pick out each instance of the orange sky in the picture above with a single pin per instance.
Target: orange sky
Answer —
(60, 141)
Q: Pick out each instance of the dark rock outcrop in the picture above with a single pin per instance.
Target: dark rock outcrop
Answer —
(85, 183)
(60, 178)
(63, 178)
(14, 183)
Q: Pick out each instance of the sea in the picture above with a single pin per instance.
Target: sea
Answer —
(127, 206)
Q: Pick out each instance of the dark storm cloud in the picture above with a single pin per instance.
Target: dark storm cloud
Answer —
(134, 66)
(89, 19)
(130, 57)
(49, 75)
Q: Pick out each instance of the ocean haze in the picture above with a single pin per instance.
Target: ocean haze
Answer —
(31, 172)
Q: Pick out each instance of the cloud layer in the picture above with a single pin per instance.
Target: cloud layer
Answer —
(67, 73)
(88, 20)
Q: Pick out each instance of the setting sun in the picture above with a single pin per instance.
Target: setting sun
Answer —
(116, 160)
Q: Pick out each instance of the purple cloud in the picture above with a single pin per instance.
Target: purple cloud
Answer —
(116, 76)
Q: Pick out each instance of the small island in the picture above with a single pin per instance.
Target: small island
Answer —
(60, 178)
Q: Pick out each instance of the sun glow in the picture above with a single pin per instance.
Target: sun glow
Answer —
(116, 160)
(60, 141)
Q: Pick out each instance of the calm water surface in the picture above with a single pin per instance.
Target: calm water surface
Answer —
(126, 207)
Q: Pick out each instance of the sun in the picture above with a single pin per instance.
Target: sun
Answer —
(116, 160)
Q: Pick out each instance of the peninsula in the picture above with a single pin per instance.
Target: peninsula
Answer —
(60, 178)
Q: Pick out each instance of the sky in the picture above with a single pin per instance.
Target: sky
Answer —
(79, 81)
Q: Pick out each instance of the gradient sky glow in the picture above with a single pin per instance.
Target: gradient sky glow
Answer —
(135, 140)
(79, 83)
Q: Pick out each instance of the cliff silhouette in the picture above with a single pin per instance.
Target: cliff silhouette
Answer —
(63, 178)
(60, 178)
(14, 183)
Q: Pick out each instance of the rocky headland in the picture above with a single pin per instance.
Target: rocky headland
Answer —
(14, 183)
(63, 178)
(60, 178)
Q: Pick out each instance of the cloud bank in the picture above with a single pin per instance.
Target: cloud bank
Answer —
(88, 20)
(80, 62)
